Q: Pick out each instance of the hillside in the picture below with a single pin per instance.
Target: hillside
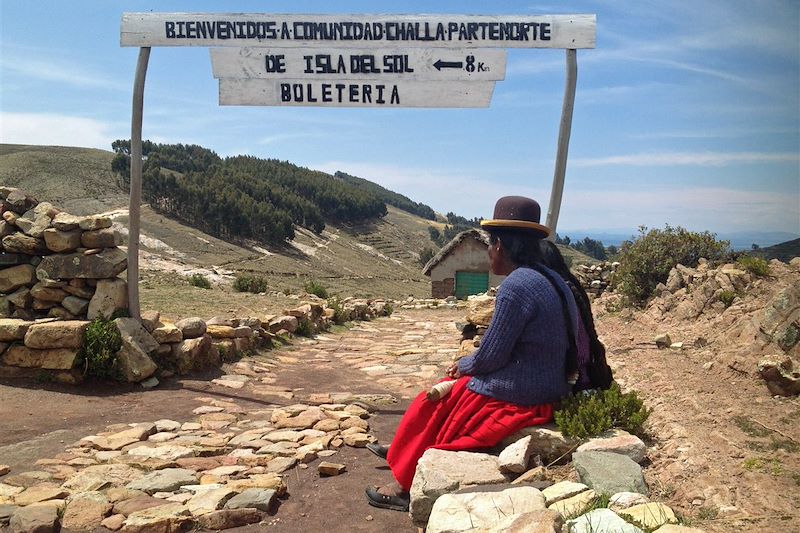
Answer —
(373, 258)
(784, 251)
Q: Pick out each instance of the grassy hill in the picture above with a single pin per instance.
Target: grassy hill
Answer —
(371, 259)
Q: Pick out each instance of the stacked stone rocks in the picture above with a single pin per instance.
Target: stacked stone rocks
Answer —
(466, 492)
(223, 469)
(595, 279)
(451, 302)
(55, 264)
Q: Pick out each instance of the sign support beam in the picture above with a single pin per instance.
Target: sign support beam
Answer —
(564, 132)
(136, 182)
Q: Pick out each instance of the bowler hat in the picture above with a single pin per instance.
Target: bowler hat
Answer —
(517, 212)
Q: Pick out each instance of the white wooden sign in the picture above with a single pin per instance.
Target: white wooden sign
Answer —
(412, 64)
(372, 31)
(354, 93)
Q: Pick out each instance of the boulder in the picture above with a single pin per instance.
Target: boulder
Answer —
(609, 473)
(21, 297)
(480, 309)
(574, 505)
(164, 518)
(601, 520)
(58, 334)
(515, 458)
(617, 441)
(286, 322)
(12, 278)
(192, 354)
(650, 515)
(53, 359)
(781, 374)
(255, 498)
(35, 226)
(192, 327)
(229, 518)
(166, 480)
(101, 238)
(94, 222)
(13, 329)
(106, 264)
(482, 509)
(562, 490)
(35, 519)
(206, 501)
(546, 442)
(111, 295)
(65, 222)
(133, 357)
(24, 244)
(85, 511)
(62, 241)
(76, 306)
(18, 201)
(167, 333)
(41, 291)
(441, 472)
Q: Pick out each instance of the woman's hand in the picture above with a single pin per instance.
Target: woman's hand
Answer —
(453, 372)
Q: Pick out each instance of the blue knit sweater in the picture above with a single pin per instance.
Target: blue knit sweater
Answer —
(522, 357)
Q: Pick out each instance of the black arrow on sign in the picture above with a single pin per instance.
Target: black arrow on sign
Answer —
(448, 64)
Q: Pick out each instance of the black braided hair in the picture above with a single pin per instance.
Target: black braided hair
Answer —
(524, 248)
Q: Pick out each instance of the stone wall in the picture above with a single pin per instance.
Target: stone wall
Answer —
(596, 278)
(53, 264)
(59, 272)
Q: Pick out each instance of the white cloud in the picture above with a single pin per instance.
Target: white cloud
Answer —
(704, 159)
(58, 130)
(60, 71)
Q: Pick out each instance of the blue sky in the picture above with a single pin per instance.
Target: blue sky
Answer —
(686, 113)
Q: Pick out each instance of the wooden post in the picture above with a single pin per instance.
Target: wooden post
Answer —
(136, 183)
(563, 142)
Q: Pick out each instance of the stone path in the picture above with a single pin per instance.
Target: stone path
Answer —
(225, 460)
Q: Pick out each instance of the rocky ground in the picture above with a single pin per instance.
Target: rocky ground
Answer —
(724, 452)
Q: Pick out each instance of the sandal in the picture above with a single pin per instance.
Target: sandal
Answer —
(378, 449)
(395, 503)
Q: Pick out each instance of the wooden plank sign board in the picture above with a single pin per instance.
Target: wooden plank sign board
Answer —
(412, 64)
(354, 93)
(362, 31)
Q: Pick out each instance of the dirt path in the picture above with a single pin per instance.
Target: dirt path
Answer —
(710, 458)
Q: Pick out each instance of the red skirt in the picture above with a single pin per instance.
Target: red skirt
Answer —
(462, 420)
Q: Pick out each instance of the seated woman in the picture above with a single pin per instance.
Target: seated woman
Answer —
(520, 370)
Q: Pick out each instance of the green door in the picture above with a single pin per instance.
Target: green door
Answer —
(471, 283)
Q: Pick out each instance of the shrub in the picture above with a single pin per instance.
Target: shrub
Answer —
(316, 288)
(339, 314)
(101, 342)
(249, 283)
(388, 309)
(591, 413)
(199, 280)
(755, 265)
(304, 328)
(727, 297)
(647, 261)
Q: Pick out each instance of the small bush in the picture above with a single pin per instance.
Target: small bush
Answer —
(316, 288)
(304, 328)
(101, 342)
(388, 309)
(727, 297)
(647, 261)
(199, 280)
(590, 414)
(755, 265)
(249, 283)
(340, 316)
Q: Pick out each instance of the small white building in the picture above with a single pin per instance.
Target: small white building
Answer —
(461, 267)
